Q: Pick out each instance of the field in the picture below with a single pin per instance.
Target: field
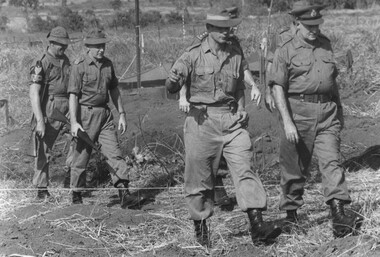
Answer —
(159, 226)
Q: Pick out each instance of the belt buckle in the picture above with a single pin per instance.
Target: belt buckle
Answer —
(302, 97)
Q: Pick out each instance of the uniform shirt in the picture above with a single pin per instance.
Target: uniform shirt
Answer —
(58, 77)
(302, 68)
(209, 78)
(91, 81)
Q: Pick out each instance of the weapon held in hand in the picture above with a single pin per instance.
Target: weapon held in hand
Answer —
(82, 135)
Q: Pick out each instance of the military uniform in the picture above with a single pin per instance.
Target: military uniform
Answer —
(53, 76)
(210, 131)
(304, 73)
(91, 82)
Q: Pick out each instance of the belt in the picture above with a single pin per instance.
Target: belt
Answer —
(93, 106)
(216, 107)
(311, 98)
(52, 96)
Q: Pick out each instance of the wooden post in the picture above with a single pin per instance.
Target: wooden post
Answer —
(138, 64)
(4, 106)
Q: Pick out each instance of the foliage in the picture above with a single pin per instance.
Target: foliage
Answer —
(3, 22)
(32, 4)
(90, 20)
(115, 4)
(70, 20)
(127, 19)
(37, 24)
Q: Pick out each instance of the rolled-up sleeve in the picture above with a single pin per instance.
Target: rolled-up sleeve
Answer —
(279, 69)
(183, 66)
(75, 81)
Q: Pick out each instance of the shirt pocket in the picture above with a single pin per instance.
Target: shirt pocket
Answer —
(230, 82)
(301, 65)
(204, 79)
(329, 65)
(89, 83)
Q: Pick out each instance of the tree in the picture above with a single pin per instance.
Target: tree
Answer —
(70, 20)
(26, 5)
(115, 4)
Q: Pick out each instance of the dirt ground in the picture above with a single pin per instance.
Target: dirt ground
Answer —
(61, 229)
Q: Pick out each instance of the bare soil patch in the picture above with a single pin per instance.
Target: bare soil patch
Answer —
(160, 226)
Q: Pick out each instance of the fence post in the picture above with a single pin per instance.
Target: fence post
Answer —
(4, 106)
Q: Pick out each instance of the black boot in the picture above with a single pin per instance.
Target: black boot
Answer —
(291, 221)
(342, 223)
(201, 232)
(77, 198)
(123, 190)
(262, 232)
(220, 195)
(42, 194)
(66, 181)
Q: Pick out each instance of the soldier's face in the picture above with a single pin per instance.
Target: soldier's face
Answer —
(96, 51)
(57, 49)
(308, 32)
(219, 34)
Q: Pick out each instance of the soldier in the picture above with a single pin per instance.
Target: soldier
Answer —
(48, 90)
(92, 79)
(215, 126)
(221, 197)
(303, 77)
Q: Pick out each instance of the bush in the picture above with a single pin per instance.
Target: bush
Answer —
(38, 24)
(70, 20)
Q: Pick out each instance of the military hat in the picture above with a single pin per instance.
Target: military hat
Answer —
(95, 37)
(306, 13)
(59, 35)
(226, 18)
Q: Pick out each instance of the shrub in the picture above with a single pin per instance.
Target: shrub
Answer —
(38, 24)
(70, 20)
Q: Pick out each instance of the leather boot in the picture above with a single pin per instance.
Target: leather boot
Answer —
(66, 181)
(201, 232)
(220, 195)
(77, 198)
(262, 232)
(291, 221)
(342, 223)
(42, 194)
(123, 190)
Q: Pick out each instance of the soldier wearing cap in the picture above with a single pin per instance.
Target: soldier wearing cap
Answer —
(303, 77)
(221, 197)
(92, 80)
(48, 90)
(215, 127)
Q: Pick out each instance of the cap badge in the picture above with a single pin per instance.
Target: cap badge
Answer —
(313, 13)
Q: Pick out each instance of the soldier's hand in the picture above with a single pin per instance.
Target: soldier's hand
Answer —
(122, 123)
(184, 105)
(291, 132)
(255, 95)
(74, 129)
(243, 118)
(269, 101)
(40, 128)
(174, 76)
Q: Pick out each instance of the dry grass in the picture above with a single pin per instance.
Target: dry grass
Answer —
(171, 225)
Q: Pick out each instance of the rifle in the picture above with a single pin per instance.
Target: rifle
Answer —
(59, 116)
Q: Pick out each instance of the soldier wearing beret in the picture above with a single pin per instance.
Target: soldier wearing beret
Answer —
(92, 80)
(48, 90)
(215, 127)
(303, 77)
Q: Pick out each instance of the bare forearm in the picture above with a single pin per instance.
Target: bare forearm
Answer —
(248, 78)
(116, 99)
(73, 107)
(36, 101)
(281, 103)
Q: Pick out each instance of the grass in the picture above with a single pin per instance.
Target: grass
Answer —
(171, 225)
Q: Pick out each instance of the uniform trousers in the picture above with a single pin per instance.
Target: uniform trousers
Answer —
(98, 124)
(319, 130)
(210, 133)
(45, 144)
